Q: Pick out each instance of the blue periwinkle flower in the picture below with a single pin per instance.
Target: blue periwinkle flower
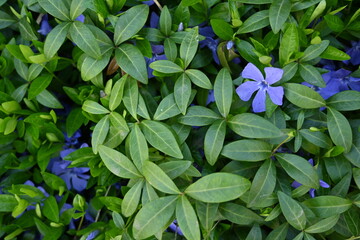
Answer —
(354, 53)
(80, 18)
(175, 228)
(340, 80)
(246, 90)
(149, 3)
(229, 45)
(158, 54)
(209, 42)
(45, 27)
(180, 27)
(211, 97)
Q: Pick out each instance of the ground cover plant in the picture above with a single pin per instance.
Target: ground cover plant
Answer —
(179, 119)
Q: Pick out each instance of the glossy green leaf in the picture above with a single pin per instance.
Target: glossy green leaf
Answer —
(20, 92)
(255, 22)
(131, 199)
(74, 121)
(299, 169)
(323, 225)
(223, 91)
(303, 96)
(138, 148)
(7, 203)
(166, 66)
(327, 206)
(334, 22)
(247, 150)
(142, 109)
(167, 108)
(182, 92)
(175, 168)
(55, 39)
(161, 137)
(292, 211)
(207, 213)
(278, 233)
(77, 7)
(333, 53)
(239, 214)
(339, 129)
(254, 1)
(253, 126)
(148, 194)
(214, 140)
(94, 107)
(131, 61)
(117, 93)
(130, 22)
(311, 75)
(345, 101)
(199, 78)
(263, 183)
(222, 29)
(56, 8)
(118, 130)
(289, 44)
(165, 21)
(255, 233)
(247, 51)
(278, 13)
(91, 67)
(118, 163)
(170, 49)
(39, 85)
(48, 100)
(131, 96)
(153, 217)
(218, 187)
(6, 20)
(317, 138)
(84, 39)
(187, 219)
(51, 209)
(189, 45)
(100, 132)
(314, 51)
(199, 116)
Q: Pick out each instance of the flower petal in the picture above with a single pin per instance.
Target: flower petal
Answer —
(276, 94)
(324, 184)
(246, 89)
(273, 74)
(252, 72)
(296, 184)
(259, 101)
(312, 192)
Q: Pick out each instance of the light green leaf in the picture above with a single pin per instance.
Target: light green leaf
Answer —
(91, 67)
(118, 163)
(48, 100)
(303, 96)
(170, 49)
(253, 126)
(289, 44)
(255, 233)
(130, 22)
(56, 8)
(254, 1)
(214, 140)
(299, 169)
(7, 203)
(153, 217)
(311, 75)
(161, 137)
(189, 45)
(131, 199)
(314, 51)
(118, 130)
(55, 39)
(39, 85)
(292, 211)
(279, 233)
(317, 138)
(333, 53)
(339, 129)
(199, 116)
(51, 209)
(5, 20)
(142, 109)
(182, 92)
(131, 60)
(85, 39)
(218, 187)
(323, 225)
(117, 92)
(247, 150)
(149, 194)
(165, 21)
(166, 66)
(222, 29)
(138, 147)
(255, 22)
(20, 92)
(278, 13)
(199, 78)
(187, 219)
(77, 7)
(207, 213)
(100, 132)
(175, 168)
(94, 108)
(223, 91)
(327, 206)
(345, 101)
(167, 108)
(239, 214)
(131, 96)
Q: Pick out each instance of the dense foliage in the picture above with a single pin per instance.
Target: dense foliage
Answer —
(169, 119)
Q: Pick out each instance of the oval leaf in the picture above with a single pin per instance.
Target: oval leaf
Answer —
(247, 150)
(214, 140)
(339, 129)
(303, 96)
(327, 206)
(187, 219)
(292, 211)
(223, 91)
(199, 78)
(199, 116)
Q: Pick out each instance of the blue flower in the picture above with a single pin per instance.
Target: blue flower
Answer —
(246, 90)
(209, 41)
(45, 27)
(323, 184)
(149, 3)
(157, 51)
(80, 18)
(211, 97)
(340, 80)
(354, 53)
(175, 228)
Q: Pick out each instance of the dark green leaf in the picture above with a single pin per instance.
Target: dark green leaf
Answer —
(48, 100)
(165, 21)
(189, 46)
(255, 22)
(94, 107)
(167, 108)
(223, 91)
(278, 233)
(175, 168)
(214, 140)
(327, 206)
(247, 150)
(292, 211)
(278, 13)
(323, 225)
(333, 53)
(339, 129)
(207, 213)
(317, 138)
(311, 75)
(314, 51)
(55, 39)
(91, 67)
(7, 203)
(222, 29)
(334, 22)
(199, 78)
(138, 148)
(239, 214)
(289, 44)
(303, 96)
(345, 101)
(85, 39)
(166, 66)
(74, 121)
(182, 92)
(5, 20)
(39, 85)
(56, 8)
(199, 116)
(131, 199)
(51, 209)
(117, 92)
(77, 7)
(131, 96)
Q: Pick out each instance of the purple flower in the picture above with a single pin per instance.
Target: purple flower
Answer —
(340, 80)
(354, 53)
(180, 27)
(45, 27)
(323, 184)
(149, 3)
(211, 97)
(229, 45)
(158, 51)
(246, 90)
(80, 18)
(175, 228)
(209, 42)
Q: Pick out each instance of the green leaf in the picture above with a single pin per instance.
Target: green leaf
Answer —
(167, 108)
(54, 182)
(170, 49)
(199, 116)
(278, 13)
(255, 22)
(292, 211)
(131, 60)
(48, 100)
(55, 39)
(239, 214)
(223, 91)
(333, 53)
(131, 199)
(118, 163)
(323, 225)
(51, 209)
(56, 8)
(175, 168)
(117, 92)
(138, 147)
(247, 51)
(327, 206)
(94, 108)
(118, 130)
(7, 203)
(77, 7)
(345, 101)
(253, 126)
(311, 75)
(199, 78)
(130, 22)
(131, 96)
(186, 218)
(207, 213)
(317, 138)
(85, 39)
(218, 187)
(100, 132)
(214, 140)
(289, 44)
(299, 169)
(247, 150)
(165, 21)
(254, 1)
(92, 67)
(182, 92)
(74, 121)
(166, 66)
(161, 137)
(154, 216)
(263, 184)
(339, 129)
(279, 233)
(334, 22)
(39, 85)
(189, 45)
(34, 71)
(148, 194)
(20, 92)
(222, 29)
(5, 20)
(255, 233)
(142, 109)
(314, 51)
(303, 96)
